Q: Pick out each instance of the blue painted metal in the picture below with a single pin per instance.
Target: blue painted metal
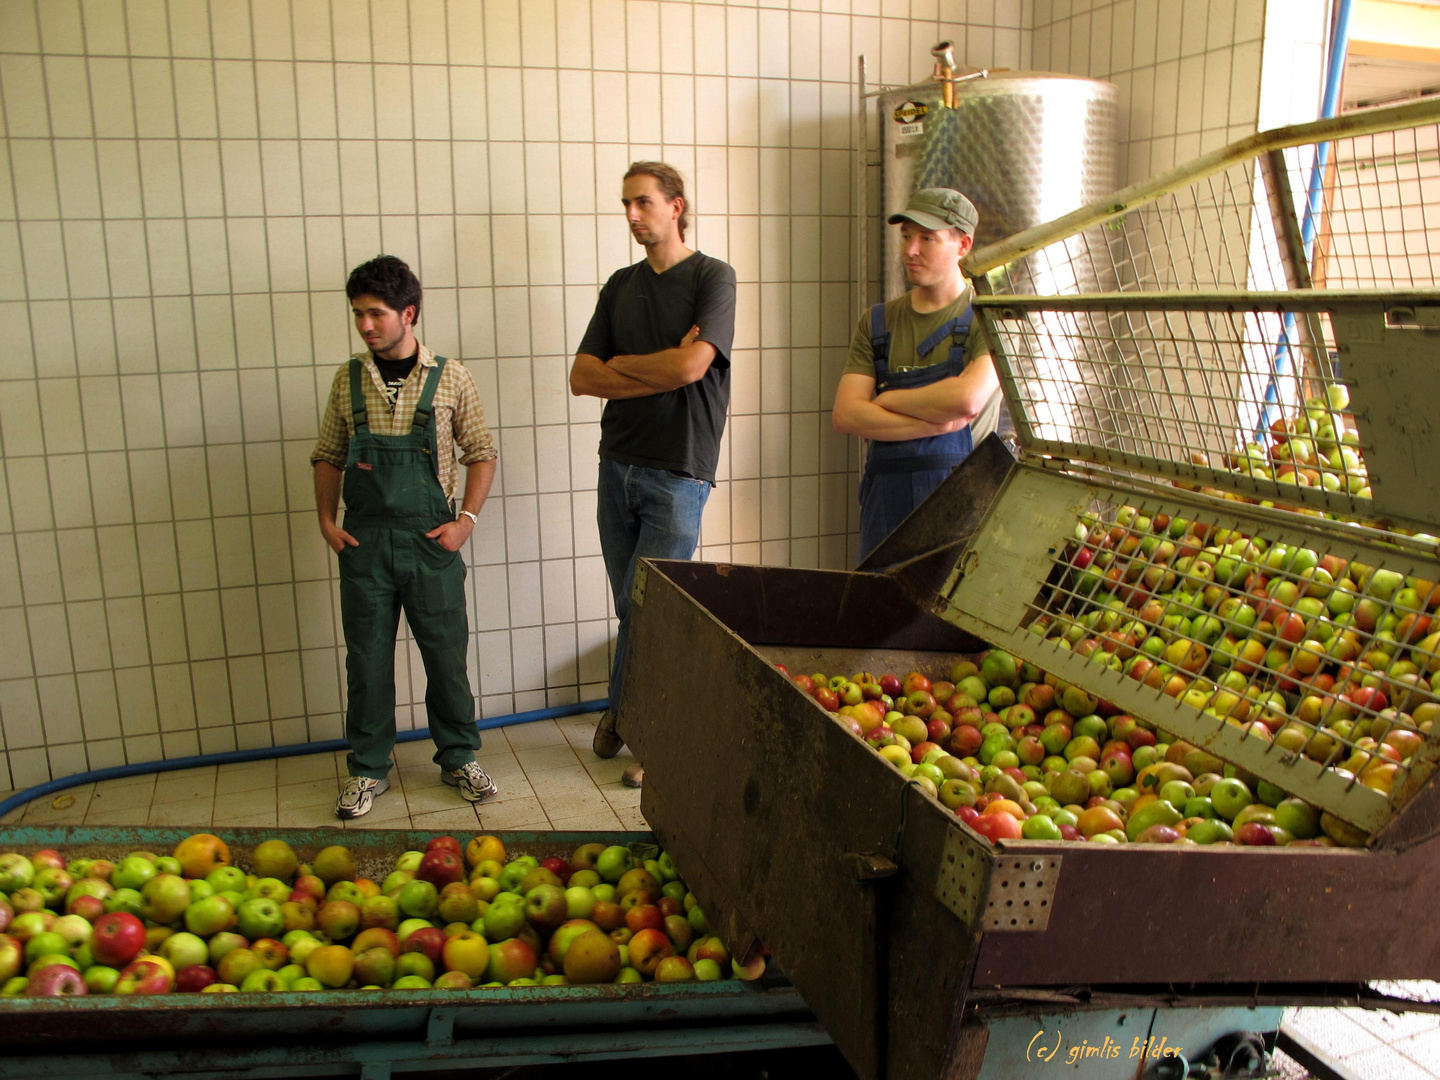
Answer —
(262, 753)
(1105, 1044)
(379, 1058)
(1309, 225)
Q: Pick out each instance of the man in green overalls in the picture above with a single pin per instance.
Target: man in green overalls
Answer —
(395, 419)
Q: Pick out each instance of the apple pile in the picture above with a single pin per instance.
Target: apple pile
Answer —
(1318, 447)
(448, 917)
(1323, 657)
(1018, 754)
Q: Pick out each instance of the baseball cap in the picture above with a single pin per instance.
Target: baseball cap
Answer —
(939, 208)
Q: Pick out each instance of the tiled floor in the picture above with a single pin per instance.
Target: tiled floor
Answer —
(547, 775)
(1374, 1045)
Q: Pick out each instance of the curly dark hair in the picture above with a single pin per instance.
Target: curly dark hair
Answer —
(388, 278)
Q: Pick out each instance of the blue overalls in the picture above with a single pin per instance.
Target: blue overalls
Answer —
(899, 475)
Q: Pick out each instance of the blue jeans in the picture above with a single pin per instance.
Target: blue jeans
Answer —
(643, 514)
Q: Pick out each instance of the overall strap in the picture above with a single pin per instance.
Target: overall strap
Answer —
(426, 405)
(357, 397)
(958, 327)
(879, 336)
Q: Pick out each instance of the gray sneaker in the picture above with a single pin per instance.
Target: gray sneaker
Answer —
(473, 781)
(358, 794)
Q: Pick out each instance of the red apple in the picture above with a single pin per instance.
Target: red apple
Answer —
(647, 949)
(309, 883)
(193, 979)
(447, 842)
(997, 826)
(441, 866)
(891, 685)
(559, 867)
(510, 959)
(56, 980)
(1254, 834)
(644, 917)
(271, 953)
(118, 939)
(143, 977)
(429, 940)
(87, 907)
(914, 682)
(49, 858)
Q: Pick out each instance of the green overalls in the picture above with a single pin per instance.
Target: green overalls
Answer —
(392, 499)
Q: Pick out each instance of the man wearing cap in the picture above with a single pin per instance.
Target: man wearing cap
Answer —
(919, 382)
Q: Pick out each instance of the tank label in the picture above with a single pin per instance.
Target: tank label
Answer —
(910, 115)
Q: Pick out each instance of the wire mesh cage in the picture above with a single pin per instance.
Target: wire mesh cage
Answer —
(1244, 322)
(1303, 657)
(1357, 196)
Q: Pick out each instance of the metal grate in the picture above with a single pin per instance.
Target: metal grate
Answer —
(1320, 657)
(1279, 294)
(1184, 392)
(1082, 577)
(1357, 197)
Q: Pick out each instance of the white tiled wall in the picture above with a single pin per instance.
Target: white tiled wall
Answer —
(184, 186)
(1189, 72)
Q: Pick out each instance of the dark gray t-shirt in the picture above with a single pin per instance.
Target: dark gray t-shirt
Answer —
(642, 312)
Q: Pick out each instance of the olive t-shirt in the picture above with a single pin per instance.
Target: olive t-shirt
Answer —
(907, 330)
(642, 312)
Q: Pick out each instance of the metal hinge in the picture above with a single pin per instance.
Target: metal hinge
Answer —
(637, 587)
(440, 1029)
(866, 867)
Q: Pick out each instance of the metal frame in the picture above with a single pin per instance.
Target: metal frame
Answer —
(1162, 329)
(1349, 125)
(1007, 577)
(798, 831)
(1157, 384)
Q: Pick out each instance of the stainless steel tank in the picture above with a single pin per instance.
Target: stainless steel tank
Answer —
(1024, 146)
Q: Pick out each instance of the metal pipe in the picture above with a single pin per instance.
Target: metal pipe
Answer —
(263, 753)
(944, 54)
(1334, 77)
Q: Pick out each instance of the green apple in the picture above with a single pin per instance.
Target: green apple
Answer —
(613, 863)
(579, 902)
(133, 872)
(506, 920)
(1229, 796)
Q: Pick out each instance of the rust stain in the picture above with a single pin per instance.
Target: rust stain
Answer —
(724, 569)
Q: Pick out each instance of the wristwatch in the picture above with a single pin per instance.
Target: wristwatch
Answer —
(473, 517)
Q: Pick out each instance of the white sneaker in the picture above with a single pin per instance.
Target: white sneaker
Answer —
(473, 781)
(357, 795)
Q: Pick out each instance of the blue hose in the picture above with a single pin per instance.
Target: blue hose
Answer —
(263, 753)
(1330, 103)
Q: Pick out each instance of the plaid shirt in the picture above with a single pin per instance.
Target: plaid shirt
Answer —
(459, 416)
